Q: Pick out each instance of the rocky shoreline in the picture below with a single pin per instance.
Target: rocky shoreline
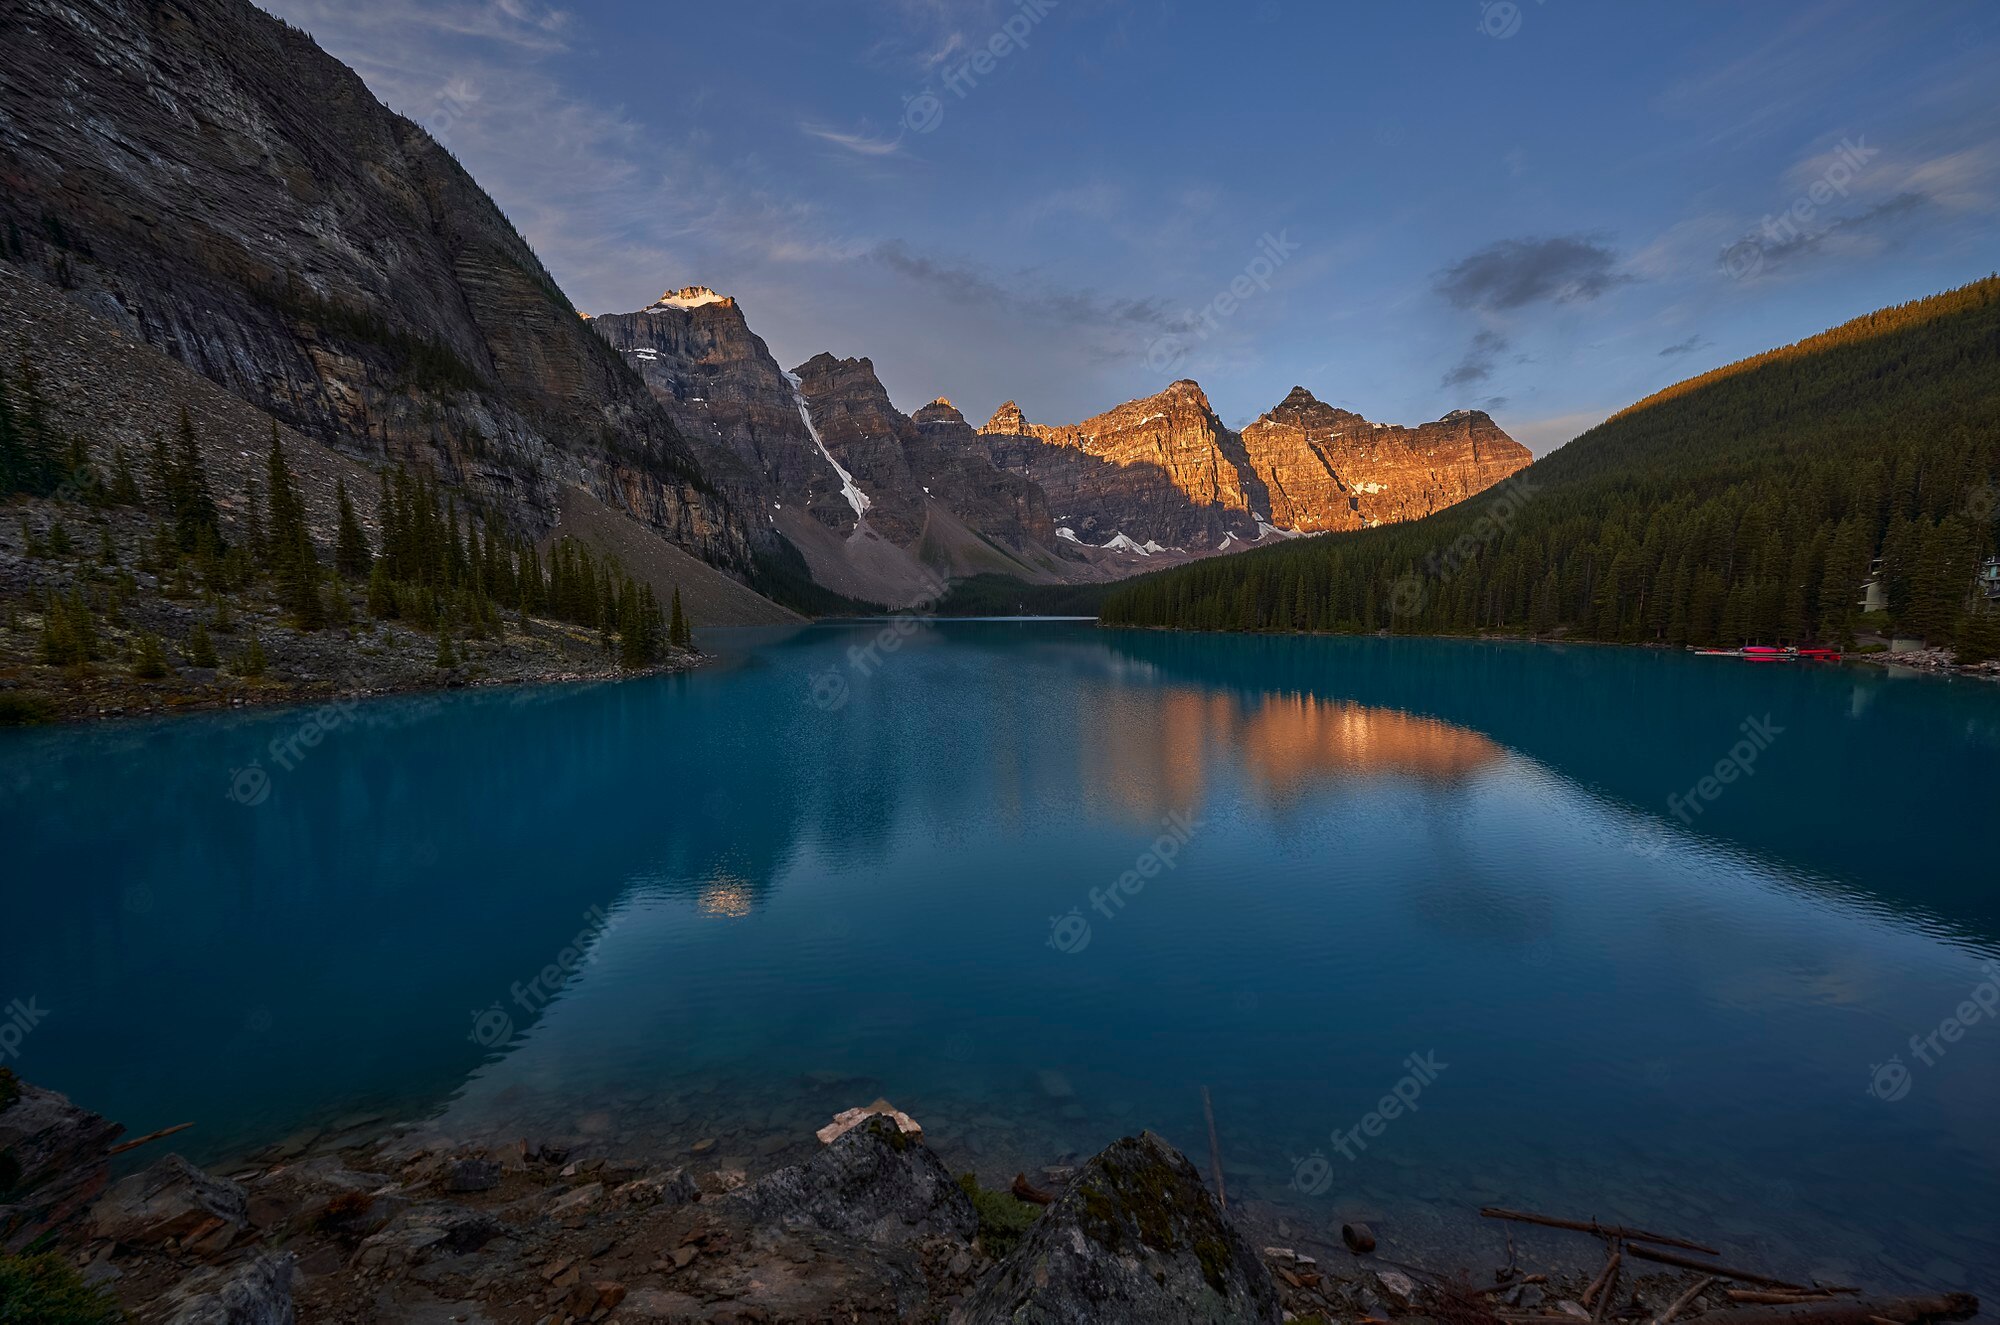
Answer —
(872, 1226)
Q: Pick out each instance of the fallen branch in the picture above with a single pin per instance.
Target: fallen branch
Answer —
(1679, 1304)
(1592, 1226)
(1602, 1308)
(1897, 1310)
(138, 1141)
(1770, 1298)
(1603, 1280)
(1725, 1272)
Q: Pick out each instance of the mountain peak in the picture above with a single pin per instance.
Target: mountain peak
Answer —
(1008, 419)
(940, 410)
(1300, 398)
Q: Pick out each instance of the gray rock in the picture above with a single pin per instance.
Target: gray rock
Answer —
(52, 1161)
(173, 1200)
(1135, 1238)
(473, 1175)
(670, 1189)
(874, 1183)
(254, 1291)
(424, 1231)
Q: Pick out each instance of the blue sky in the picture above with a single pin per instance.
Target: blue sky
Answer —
(1544, 209)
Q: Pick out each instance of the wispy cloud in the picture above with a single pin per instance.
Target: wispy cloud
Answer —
(1688, 346)
(522, 24)
(860, 143)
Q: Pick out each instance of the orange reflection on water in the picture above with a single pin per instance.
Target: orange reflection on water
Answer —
(1148, 751)
(1293, 739)
(724, 896)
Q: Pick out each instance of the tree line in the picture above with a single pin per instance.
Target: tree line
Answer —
(438, 568)
(1752, 504)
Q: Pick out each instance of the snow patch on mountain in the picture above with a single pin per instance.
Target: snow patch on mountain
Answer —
(691, 296)
(848, 488)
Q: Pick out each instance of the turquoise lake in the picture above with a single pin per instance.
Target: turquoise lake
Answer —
(730, 903)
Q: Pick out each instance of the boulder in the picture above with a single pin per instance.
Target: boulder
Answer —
(1134, 1238)
(173, 1201)
(53, 1161)
(874, 1183)
(256, 1290)
(423, 1231)
(472, 1175)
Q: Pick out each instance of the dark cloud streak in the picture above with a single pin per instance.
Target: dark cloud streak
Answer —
(1477, 365)
(1514, 273)
(969, 285)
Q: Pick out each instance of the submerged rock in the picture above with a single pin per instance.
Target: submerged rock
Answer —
(1135, 1237)
(874, 1183)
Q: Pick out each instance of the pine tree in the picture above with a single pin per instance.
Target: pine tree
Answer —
(1978, 636)
(351, 556)
(69, 630)
(293, 565)
(39, 469)
(381, 592)
(444, 657)
(149, 659)
(251, 663)
(200, 648)
(193, 504)
(124, 489)
(679, 632)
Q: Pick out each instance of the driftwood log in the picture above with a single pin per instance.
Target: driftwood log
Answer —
(1592, 1226)
(1602, 1283)
(138, 1141)
(1679, 1304)
(1725, 1272)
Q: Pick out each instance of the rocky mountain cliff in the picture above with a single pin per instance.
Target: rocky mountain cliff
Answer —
(1149, 483)
(1327, 468)
(882, 506)
(208, 179)
(695, 352)
(1163, 469)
